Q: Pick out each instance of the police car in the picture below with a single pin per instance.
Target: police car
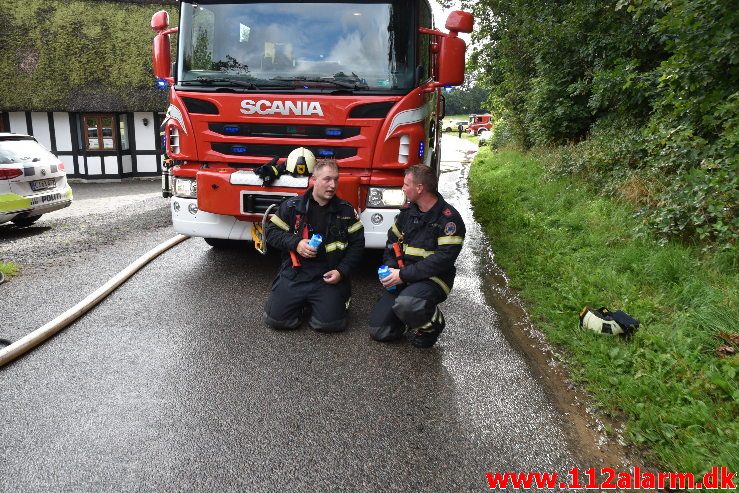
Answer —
(453, 125)
(32, 180)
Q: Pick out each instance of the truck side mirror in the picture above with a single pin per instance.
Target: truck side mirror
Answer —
(451, 61)
(451, 49)
(460, 22)
(160, 21)
(161, 58)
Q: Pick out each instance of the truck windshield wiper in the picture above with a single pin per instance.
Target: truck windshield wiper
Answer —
(335, 82)
(221, 81)
(233, 82)
(215, 80)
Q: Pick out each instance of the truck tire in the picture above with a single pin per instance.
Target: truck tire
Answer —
(479, 130)
(220, 242)
(24, 222)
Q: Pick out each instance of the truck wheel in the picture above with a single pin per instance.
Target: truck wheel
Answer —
(220, 242)
(24, 222)
(479, 131)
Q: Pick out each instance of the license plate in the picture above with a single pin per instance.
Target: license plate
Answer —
(43, 184)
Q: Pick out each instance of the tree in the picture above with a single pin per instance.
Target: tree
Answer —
(466, 99)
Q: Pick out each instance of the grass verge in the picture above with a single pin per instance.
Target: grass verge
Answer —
(563, 246)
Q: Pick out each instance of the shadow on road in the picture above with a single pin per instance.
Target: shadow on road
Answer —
(10, 231)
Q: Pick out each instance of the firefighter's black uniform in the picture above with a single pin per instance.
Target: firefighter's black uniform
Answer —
(431, 242)
(295, 287)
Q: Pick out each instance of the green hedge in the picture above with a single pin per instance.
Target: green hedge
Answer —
(646, 90)
(78, 55)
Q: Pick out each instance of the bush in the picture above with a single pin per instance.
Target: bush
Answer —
(640, 95)
(502, 135)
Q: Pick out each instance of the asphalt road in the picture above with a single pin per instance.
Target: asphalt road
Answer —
(174, 383)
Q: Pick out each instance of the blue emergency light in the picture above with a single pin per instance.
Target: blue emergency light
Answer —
(161, 84)
(239, 149)
(325, 153)
(333, 132)
(420, 149)
(231, 129)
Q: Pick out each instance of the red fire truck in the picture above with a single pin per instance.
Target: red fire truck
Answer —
(478, 123)
(357, 81)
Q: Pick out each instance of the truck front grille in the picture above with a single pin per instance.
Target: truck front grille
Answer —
(270, 150)
(254, 203)
(335, 132)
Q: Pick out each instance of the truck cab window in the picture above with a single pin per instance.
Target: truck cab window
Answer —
(362, 45)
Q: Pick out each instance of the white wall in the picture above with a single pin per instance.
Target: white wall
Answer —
(68, 163)
(94, 165)
(62, 132)
(145, 135)
(127, 164)
(111, 165)
(146, 164)
(18, 122)
(40, 122)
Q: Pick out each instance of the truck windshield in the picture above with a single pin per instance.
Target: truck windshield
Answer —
(324, 45)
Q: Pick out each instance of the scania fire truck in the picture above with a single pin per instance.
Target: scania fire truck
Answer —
(356, 81)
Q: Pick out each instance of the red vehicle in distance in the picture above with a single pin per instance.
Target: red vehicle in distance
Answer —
(478, 123)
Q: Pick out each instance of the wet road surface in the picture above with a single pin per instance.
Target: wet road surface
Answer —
(174, 383)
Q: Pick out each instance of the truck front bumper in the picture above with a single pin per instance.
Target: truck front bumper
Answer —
(187, 219)
(376, 223)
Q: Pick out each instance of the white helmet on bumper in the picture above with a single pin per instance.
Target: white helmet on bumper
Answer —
(300, 161)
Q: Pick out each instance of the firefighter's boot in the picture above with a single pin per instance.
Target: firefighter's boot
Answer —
(426, 336)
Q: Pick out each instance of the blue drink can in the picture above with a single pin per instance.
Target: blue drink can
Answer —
(382, 272)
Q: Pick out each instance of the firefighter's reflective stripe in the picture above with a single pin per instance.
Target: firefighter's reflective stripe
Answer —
(355, 227)
(336, 245)
(416, 252)
(436, 318)
(450, 240)
(442, 284)
(396, 230)
(279, 223)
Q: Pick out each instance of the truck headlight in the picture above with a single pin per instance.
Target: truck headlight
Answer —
(185, 187)
(388, 198)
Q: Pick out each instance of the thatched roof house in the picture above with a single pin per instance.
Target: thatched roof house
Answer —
(77, 75)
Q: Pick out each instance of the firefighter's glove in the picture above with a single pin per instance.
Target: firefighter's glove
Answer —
(270, 172)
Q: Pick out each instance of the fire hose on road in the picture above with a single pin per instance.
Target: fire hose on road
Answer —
(44, 332)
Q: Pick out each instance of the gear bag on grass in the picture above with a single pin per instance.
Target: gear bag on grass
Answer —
(603, 321)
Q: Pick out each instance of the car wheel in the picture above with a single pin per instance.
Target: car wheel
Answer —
(24, 222)
(448, 129)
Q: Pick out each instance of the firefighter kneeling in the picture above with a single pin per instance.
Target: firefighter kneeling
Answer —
(314, 277)
(431, 233)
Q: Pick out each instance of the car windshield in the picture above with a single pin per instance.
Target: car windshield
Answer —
(22, 151)
(296, 45)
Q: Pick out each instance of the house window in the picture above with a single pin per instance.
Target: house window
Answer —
(123, 127)
(99, 132)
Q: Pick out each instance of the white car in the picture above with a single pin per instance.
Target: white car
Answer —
(453, 125)
(32, 180)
